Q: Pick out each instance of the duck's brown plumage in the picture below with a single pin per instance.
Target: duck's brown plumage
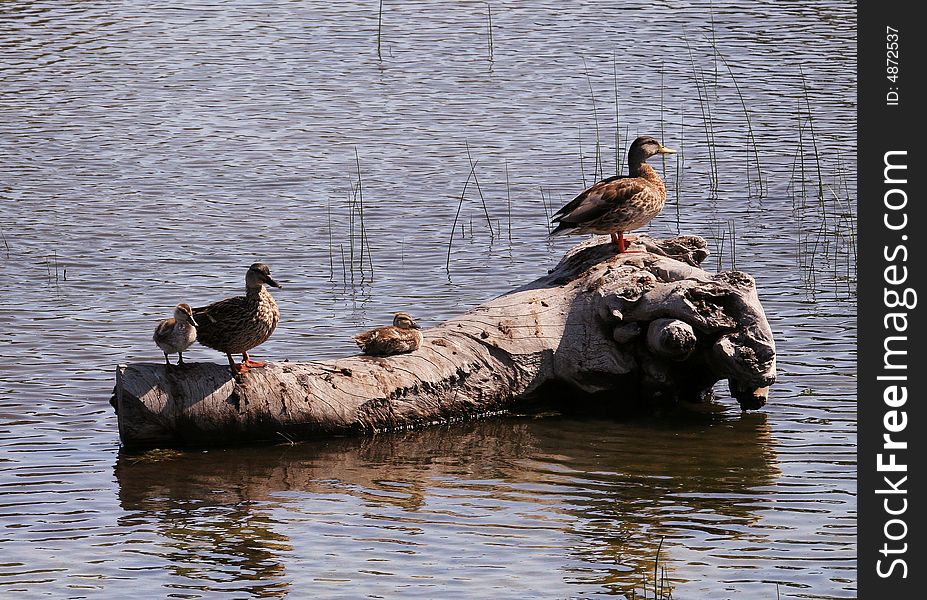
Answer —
(400, 337)
(176, 334)
(236, 325)
(618, 204)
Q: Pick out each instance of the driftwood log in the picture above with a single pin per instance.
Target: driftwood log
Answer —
(621, 330)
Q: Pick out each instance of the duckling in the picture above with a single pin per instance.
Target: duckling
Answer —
(236, 325)
(402, 336)
(175, 335)
(618, 204)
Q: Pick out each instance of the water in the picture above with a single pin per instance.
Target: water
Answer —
(151, 153)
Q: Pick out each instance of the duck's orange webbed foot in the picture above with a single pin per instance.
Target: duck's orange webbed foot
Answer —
(251, 363)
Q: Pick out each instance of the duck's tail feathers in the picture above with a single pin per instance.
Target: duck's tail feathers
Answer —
(562, 229)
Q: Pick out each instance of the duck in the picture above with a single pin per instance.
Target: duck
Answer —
(618, 204)
(236, 325)
(176, 334)
(402, 336)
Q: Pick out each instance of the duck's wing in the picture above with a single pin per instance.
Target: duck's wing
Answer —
(223, 311)
(364, 338)
(583, 196)
(163, 330)
(376, 342)
(598, 200)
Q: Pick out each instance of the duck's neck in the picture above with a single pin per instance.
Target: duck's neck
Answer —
(645, 171)
(642, 169)
(254, 292)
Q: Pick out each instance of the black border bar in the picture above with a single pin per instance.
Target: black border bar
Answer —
(892, 235)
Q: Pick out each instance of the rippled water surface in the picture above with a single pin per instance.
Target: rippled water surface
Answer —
(150, 153)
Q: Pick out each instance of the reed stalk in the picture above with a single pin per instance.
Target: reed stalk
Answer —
(662, 131)
(617, 117)
(364, 240)
(508, 199)
(656, 562)
(706, 119)
(662, 101)
(732, 232)
(721, 250)
(489, 18)
(331, 258)
(582, 168)
(548, 213)
(479, 190)
(450, 240)
(344, 266)
(6, 244)
(379, 30)
(677, 188)
(713, 42)
(750, 134)
(814, 143)
(352, 198)
(595, 118)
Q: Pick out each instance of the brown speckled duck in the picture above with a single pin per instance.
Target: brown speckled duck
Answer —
(236, 325)
(618, 204)
(175, 335)
(402, 336)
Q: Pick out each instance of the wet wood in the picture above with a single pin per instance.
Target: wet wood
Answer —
(617, 329)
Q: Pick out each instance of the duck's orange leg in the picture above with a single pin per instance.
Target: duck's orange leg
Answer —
(621, 241)
(236, 368)
(251, 363)
(618, 238)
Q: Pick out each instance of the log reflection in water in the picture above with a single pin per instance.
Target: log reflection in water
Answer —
(612, 488)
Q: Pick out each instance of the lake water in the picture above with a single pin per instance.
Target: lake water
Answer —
(150, 154)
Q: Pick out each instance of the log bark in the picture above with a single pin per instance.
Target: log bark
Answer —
(621, 329)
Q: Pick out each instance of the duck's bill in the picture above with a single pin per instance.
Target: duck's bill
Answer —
(665, 150)
(193, 322)
(269, 281)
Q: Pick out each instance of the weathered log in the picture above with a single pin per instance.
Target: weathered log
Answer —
(628, 328)
(671, 338)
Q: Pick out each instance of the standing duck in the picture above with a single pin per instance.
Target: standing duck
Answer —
(618, 204)
(402, 336)
(236, 325)
(175, 335)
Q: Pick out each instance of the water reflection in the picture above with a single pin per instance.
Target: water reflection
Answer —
(611, 490)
